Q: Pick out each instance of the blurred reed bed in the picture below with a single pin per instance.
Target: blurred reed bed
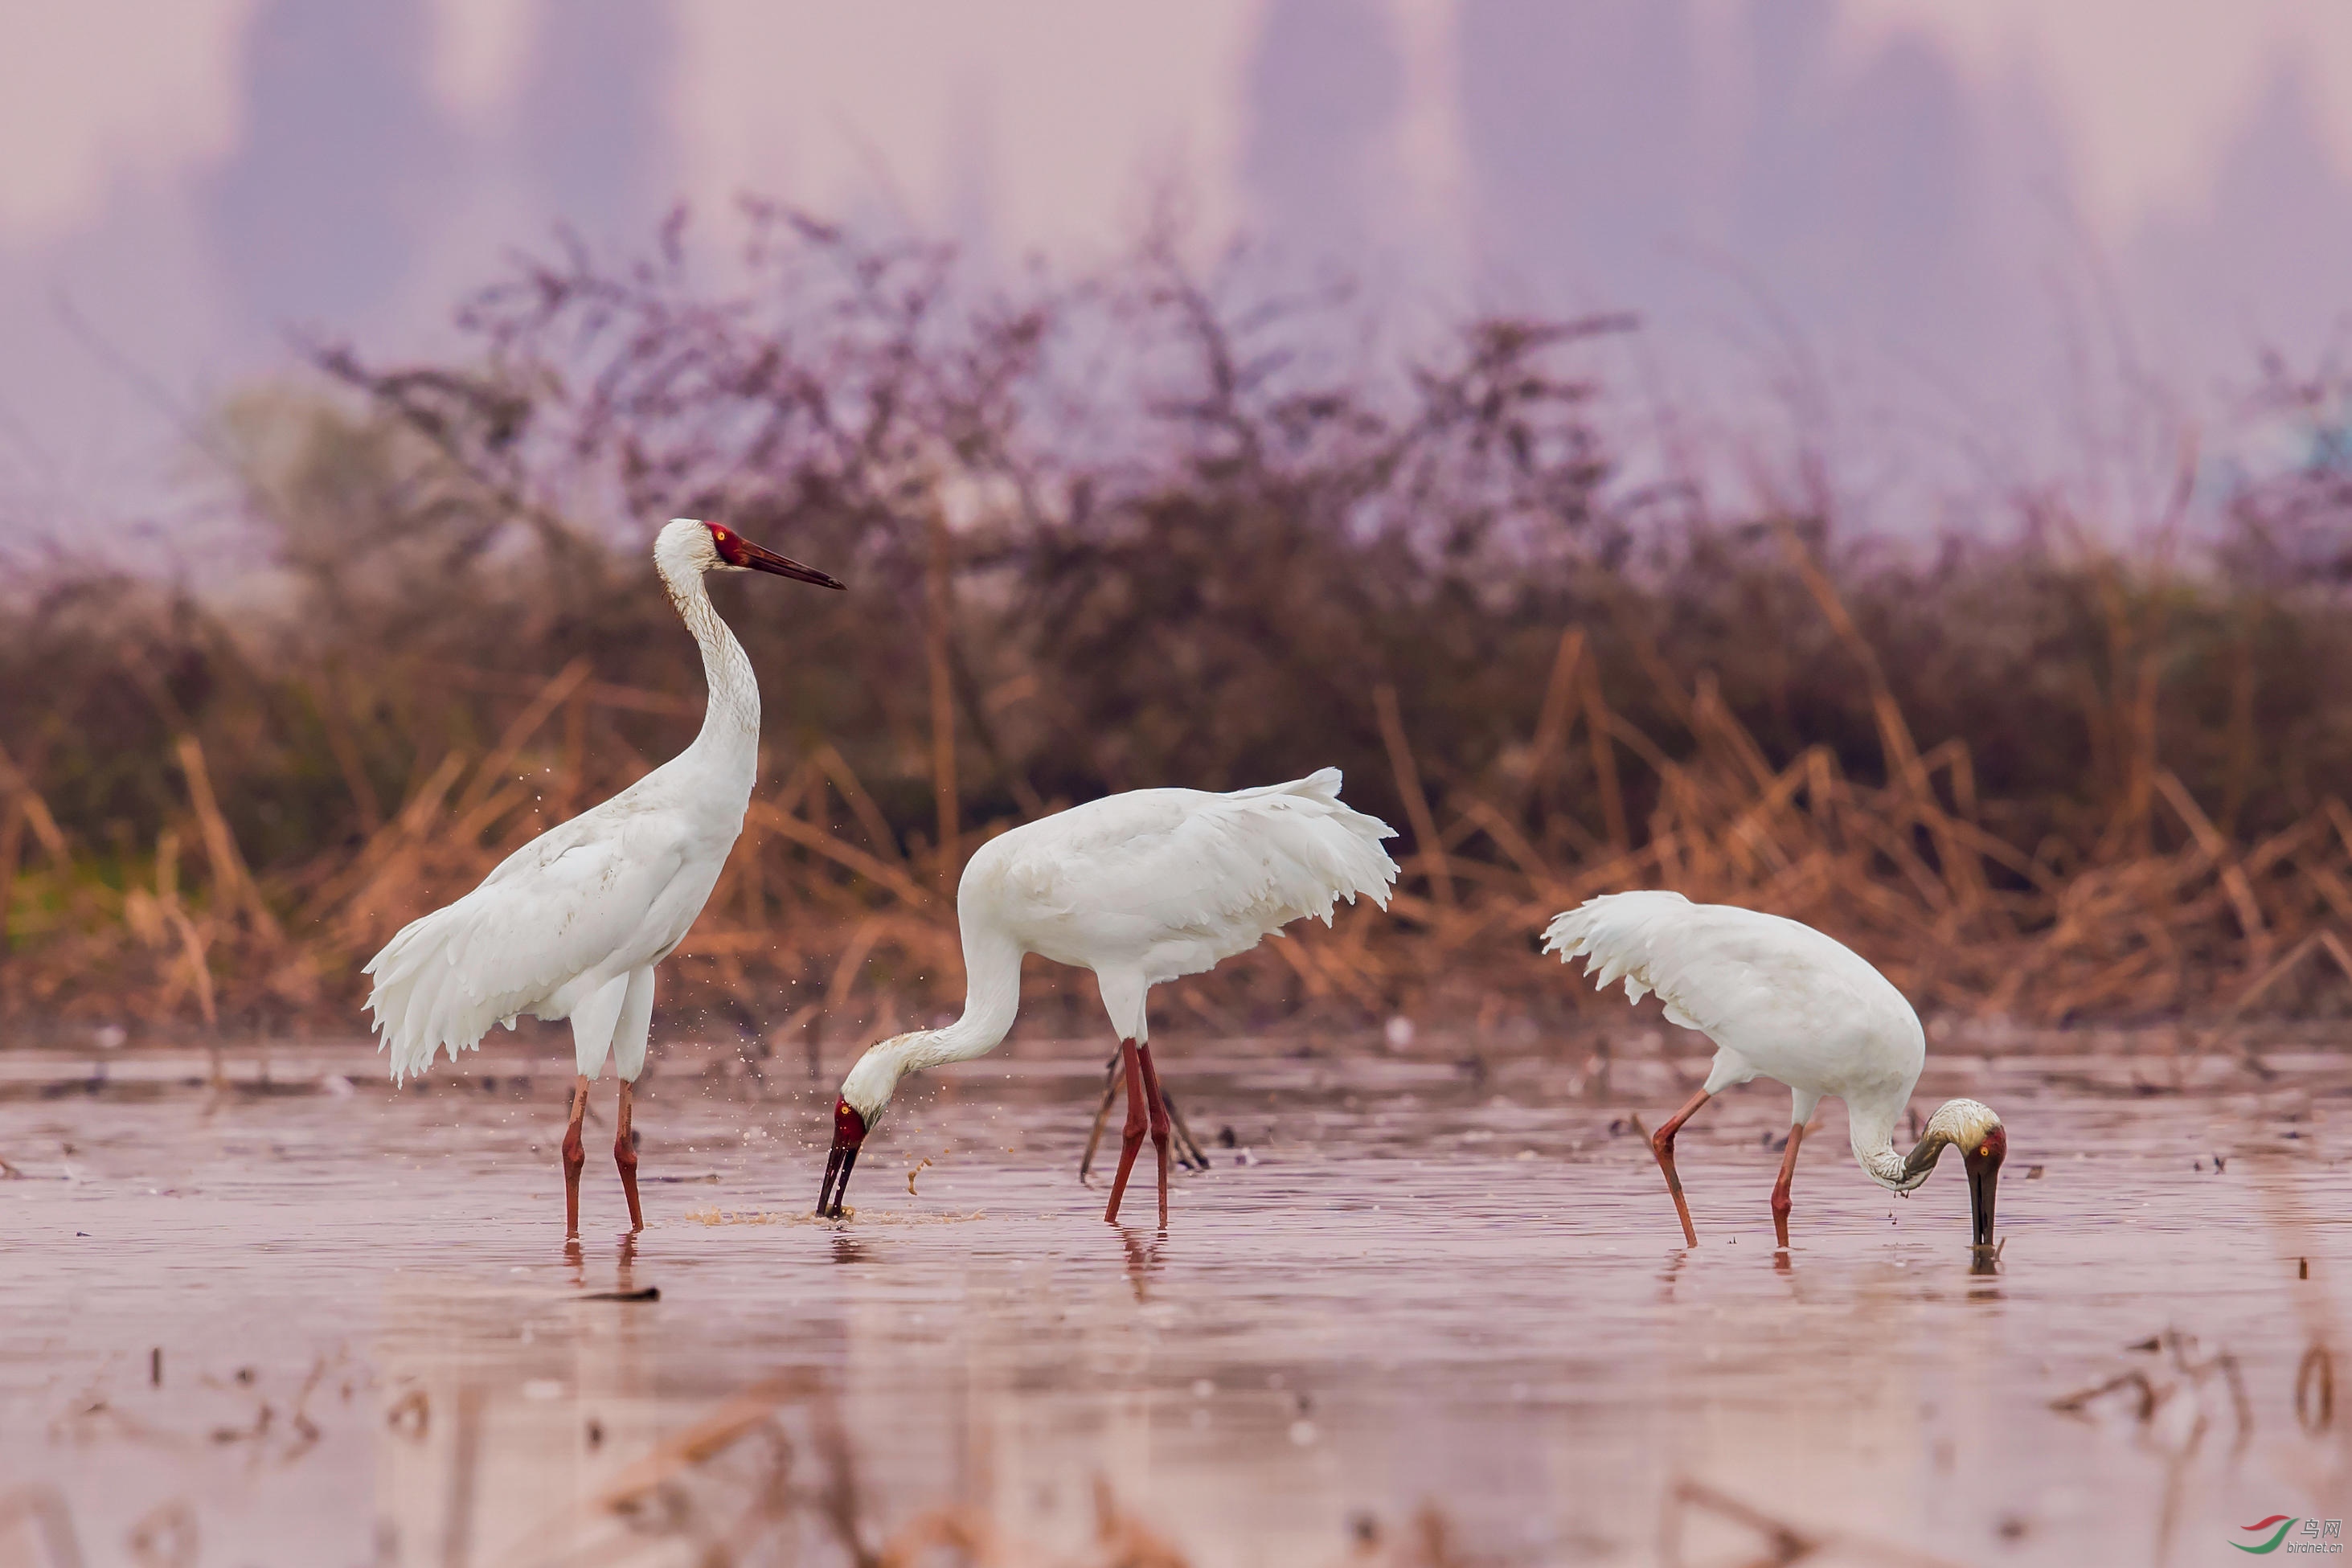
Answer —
(1147, 527)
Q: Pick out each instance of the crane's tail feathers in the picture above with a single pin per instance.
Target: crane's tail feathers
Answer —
(1626, 936)
(424, 1001)
(1330, 851)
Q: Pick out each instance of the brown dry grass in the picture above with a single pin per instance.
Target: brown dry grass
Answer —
(820, 894)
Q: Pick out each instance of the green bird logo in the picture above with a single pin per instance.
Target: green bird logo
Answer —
(2267, 1547)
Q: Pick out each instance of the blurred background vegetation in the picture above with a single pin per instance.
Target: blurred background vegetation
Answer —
(1145, 528)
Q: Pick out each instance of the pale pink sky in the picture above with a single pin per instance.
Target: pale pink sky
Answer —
(1075, 99)
(1046, 125)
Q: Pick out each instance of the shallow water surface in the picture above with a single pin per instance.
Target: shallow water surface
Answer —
(1421, 1312)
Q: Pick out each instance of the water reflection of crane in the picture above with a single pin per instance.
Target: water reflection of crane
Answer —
(1782, 1000)
(1141, 888)
(571, 924)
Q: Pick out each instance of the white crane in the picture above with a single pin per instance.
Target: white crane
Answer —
(1782, 1000)
(1141, 888)
(571, 924)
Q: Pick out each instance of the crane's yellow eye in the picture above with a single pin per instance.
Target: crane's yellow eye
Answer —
(1984, 1150)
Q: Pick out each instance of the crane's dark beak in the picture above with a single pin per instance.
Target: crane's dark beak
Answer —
(759, 559)
(1983, 1163)
(848, 1132)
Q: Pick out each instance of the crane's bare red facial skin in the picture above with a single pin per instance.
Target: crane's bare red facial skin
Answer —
(1983, 1163)
(736, 551)
(848, 1132)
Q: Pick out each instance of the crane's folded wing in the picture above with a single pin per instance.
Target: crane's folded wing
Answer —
(570, 908)
(1223, 871)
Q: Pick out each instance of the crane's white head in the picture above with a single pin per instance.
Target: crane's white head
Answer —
(863, 1092)
(1983, 1144)
(686, 547)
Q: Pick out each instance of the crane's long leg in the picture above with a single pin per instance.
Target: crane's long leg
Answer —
(1780, 1200)
(1662, 1143)
(575, 1155)
(1160, 1125)
(1131, 1136)
(624, 1155)
(1102, 1114)
(1188, 1153)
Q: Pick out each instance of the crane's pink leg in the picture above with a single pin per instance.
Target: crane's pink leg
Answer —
(1160, 1125)
(575, 1155)
(624, 1155)
(1780, 1201)
(1131, 1137)
(1662, 1143)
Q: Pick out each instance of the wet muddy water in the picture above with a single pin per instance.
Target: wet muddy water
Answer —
(1421, 1311)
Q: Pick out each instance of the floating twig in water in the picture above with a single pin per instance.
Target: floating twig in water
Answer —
(2314, 1390)
(2152, 1409)
(1785, 1544)
(2079, 1402)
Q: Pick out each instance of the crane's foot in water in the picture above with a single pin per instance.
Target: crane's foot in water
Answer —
(575, 1157)
(1662, 1145)
(1781, 1202)
(1160, 1124)
(624, 1156)
(1130, 1138)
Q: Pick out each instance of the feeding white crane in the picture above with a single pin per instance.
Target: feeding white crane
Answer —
(1141, 888)
(571, 924)
(1782, 1000)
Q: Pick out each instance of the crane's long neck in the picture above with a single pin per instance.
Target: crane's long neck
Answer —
(991, 997)
(1954, 1121)
(730, 721)
(1871, 1119)
(992, 963)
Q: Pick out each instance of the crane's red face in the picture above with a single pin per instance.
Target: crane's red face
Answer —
(743, 554)
(1983, 1162)
(848, 1132)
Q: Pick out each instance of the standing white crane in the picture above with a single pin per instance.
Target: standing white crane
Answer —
(1783, 1001)
(1141, 888)
(571, 924)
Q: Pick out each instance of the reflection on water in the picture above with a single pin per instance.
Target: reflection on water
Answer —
(1415, 1314)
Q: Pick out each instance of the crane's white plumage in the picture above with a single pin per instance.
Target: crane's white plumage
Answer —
(1156, 884)
(1140, 888)
(1779, 1001)
(571, 924)
(557, 930)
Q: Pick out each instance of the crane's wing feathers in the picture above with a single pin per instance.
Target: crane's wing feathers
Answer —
(1196, 877)
(1713, 965)
(559, 907)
